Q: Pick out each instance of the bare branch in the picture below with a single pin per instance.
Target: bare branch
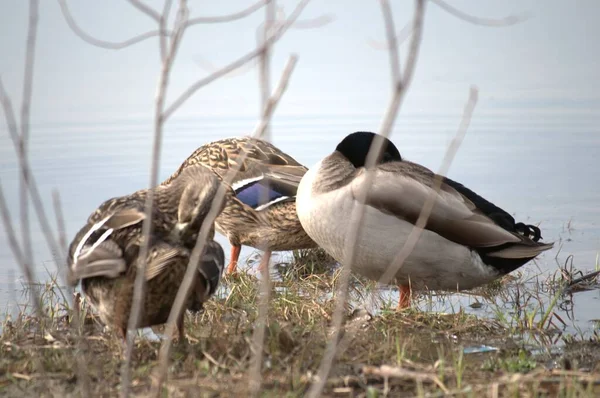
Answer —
(83, 377)
(404, 34)
(147, 35)
(386, 371)
(208, 66)
(228, 18)
(357, 215)
(9, 115)
(491, 22)
(164, 18)
(13, 242)
(236, 64)
(317, 22)
(60, 222)
(139, 285)
(24, 138)
(390, 31)
(275, 97)
(260, 326)
(415, 233)
(25, 267)
(97, 42)
(312, 23)
(146, 9)
(25, 168)
(29, 65)
(401, 86)
(264, 72)
(159, 373)
(258, 335)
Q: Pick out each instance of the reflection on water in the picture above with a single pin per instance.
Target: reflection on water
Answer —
(540, 168)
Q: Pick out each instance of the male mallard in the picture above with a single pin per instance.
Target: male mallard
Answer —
(105, 252)
(467, 241)
(262, 210)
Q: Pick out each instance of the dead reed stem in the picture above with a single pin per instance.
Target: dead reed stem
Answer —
(153, 33)
(277, 34)
(399, 88)
(490, 22)
(139, 285)
(160, 372)
(414, 235)
(265, 61)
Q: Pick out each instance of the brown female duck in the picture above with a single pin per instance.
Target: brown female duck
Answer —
(262, 211)
(105, 253)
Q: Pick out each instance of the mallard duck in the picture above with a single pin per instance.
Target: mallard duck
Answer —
(105, 252)
(261, 212)
(467, 241)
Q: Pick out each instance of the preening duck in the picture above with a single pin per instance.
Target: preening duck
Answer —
(261, 212)
(467, 240)
(105, 253)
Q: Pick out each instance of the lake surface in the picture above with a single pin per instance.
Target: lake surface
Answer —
(541, 166)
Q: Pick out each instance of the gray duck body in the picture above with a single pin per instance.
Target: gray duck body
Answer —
(466, 242)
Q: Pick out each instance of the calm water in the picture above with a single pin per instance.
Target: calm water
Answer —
(539, 166)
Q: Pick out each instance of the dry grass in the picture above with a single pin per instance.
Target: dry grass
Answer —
(412, 352)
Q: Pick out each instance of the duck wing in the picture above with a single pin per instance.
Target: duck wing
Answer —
(94, 253)
(161, 257)
(401, 189)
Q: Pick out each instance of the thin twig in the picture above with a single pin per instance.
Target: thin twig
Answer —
(23, 254)
(404, 34)
(264, 80)
(260, 128)
(83, 377)
(153, 33)
(258, 335)
(386, 371)
(415, 233)
(25, 269)
(401, 86)
(146, 9)
(237, 63)
(60, 222)
(25, 168)
(264, 72)
(164, 18)
(357, 215)
(97, 42)
(159, 373)
(228, 18)
(139, 285)
(24, 138)
(490, 22)
(13, 242)
(311, 23)
(392, 40)
(586, 277)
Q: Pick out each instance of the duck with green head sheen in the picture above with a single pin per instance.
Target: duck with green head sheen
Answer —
(467, 241)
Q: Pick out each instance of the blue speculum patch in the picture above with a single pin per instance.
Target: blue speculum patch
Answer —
(256, 194)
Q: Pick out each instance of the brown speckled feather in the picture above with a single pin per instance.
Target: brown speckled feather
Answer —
(105, 253)
(275, 227)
